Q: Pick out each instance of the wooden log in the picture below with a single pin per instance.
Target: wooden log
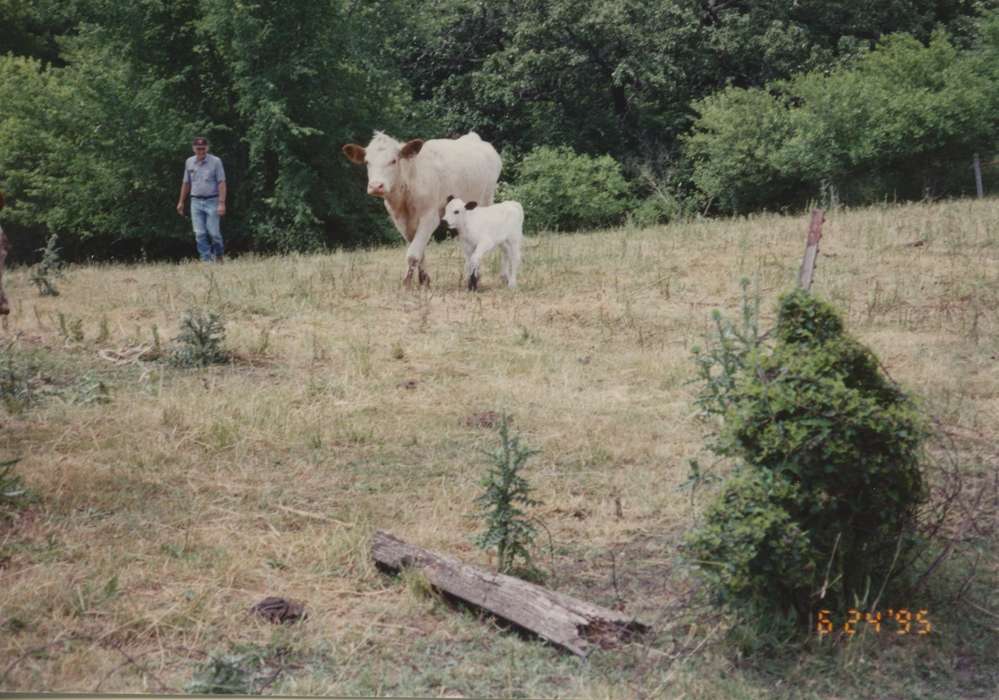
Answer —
(568, 622)
(811, 250)
(4, 247)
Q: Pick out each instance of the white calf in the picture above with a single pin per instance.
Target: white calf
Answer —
(480, 229)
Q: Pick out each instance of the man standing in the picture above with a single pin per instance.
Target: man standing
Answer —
(204, 180)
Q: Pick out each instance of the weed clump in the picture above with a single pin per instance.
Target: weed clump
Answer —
(247, 669)
(508, 529)
(227, 674)
(823, 504)
(14, 495)
(17, 393)
(50, 267)
(201, 340)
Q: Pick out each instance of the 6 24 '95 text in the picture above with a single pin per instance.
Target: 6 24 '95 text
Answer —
(903, 619)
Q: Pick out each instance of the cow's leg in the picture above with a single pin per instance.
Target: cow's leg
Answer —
(414, 254)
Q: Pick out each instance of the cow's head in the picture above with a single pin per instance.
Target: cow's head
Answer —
(383, 156)
(455, 210)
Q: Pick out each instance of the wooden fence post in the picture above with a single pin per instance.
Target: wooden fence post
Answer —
(976, 165)
(811, 250)
(4, 306)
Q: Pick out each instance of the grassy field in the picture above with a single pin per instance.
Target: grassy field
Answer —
(352, 405)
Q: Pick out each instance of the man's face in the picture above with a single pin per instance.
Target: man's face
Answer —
(200, 151)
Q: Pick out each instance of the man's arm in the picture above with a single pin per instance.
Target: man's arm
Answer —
(222, 193)
(185, 187)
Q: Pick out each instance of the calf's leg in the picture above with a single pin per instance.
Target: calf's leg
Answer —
(475, 261)
(512, 261)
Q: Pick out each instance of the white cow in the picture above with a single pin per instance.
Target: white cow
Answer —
(480, 229)
(414, 178)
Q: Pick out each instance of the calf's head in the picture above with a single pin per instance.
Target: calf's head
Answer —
(383, 156)
(454, 211)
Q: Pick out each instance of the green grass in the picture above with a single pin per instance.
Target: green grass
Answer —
(346, 407)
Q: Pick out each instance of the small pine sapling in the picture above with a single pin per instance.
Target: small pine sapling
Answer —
(50, 267)
(508, 529)
(201, 340)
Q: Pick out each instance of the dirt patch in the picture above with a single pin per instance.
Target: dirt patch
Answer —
(484, 419)
(639, 575)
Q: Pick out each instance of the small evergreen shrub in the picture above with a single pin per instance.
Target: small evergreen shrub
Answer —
(70, 328)
(568, 191)
(829, 484)
(201, 340)
(508, 529)
(50, 267)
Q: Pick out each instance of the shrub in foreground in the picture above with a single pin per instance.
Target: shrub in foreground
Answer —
(822, 507)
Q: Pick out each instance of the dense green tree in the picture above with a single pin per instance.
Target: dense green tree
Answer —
(31, 28)
(618, 76)
(899, 121)
(278, 87)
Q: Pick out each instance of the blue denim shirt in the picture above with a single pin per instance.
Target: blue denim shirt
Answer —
(204, 176)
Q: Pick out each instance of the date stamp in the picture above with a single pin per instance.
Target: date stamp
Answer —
(898, 622)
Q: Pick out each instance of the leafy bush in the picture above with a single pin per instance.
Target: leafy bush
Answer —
(735, 149)
(829, 485)
(507, 527)
(201, 340)
(568, 191)
(663, 195)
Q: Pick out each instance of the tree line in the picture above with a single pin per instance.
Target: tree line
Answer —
(654, 109)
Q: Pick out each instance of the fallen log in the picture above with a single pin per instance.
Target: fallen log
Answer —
(568, 622)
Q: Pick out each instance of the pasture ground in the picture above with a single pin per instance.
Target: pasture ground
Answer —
(351, 405)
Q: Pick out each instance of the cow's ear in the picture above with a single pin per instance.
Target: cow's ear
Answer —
(354, 153)
(471, 205)
(411, 148)
(449, 197)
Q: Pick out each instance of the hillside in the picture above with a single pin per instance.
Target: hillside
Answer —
(352, 405)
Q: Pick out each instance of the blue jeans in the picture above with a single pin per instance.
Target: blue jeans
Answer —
(205, 216)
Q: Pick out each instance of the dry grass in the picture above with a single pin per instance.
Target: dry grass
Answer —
(167, 513)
